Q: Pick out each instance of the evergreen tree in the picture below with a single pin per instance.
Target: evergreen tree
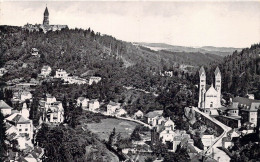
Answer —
(3, 147)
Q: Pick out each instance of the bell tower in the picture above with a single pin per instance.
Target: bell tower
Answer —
(46, 17)
(218, 83)
(202, 88)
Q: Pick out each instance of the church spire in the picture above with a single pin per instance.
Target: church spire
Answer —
(46, 16)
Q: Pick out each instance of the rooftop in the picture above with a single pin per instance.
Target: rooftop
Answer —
(153, 114)
(4, 105)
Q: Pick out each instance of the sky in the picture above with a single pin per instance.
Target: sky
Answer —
(186, 23)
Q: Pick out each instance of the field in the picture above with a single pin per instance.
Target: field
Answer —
(106, 126)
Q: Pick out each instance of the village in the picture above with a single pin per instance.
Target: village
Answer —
(95, 105)
(238, 119)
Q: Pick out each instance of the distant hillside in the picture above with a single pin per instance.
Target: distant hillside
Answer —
(241, 72)
(221, 51)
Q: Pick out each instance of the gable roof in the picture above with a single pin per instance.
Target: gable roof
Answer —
(18, 119)
(153, 114)
(234, 106)
(252, 104)
(4, 105)
(46, 67)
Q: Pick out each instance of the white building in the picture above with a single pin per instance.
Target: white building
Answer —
(94, 79)
(138, 115)
(25, 96)
(209, 97)
(152, 117)
(25, 112)
(207, 141)
(121, 112)
(23, 125)
(74, 80)
(53, 111)
(2, 71)
(93, 105)
(46, 71)
(112, 107)
(60, 73)
(83, 102)
(167, 133)
(35, 52)
(5, 109)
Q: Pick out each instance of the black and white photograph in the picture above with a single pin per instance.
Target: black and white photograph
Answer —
(130, 81)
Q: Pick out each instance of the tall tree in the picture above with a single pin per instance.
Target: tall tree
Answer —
(3, 147)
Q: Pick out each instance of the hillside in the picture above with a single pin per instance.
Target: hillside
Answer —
(220, 51)
(241, 72)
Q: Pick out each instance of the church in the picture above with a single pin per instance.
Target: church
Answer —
(45, 26)
(209, 96)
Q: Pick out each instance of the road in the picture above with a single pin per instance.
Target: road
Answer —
(218, 154)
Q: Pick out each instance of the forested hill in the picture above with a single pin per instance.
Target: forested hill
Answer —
(241, 72)
(77, 44)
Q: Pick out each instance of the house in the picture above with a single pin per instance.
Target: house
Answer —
(22, 124)
(25, 96)
(207, 141)
(94, 79)
(60, 73)
(248, 108)
(34, 52)
(74, 80)
(167, 135)
(138, 115)
(82, 101)
(45, 71)
(151, 117)
(167, 131)
(25, 112)
(112, 107)
(52, 110)
(227, 142)
(5, 109)
(93, 105)
(121, 112)
(251, 96)
(233, 110)
(2, 71)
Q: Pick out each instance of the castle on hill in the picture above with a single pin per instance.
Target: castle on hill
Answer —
(209, 96)
(45, 26)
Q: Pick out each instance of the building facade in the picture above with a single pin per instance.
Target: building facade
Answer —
(209, 97)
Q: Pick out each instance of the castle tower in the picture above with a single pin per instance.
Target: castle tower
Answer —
(218, 83)
(46, 17)
(202, 88)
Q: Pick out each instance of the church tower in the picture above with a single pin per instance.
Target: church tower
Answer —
(46, 17)
(218, 83)
(202, 88)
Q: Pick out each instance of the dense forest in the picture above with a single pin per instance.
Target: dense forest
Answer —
(240, 72)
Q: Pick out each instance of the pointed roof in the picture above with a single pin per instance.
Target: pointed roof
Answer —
(217, 71)
(4, 105)
(202, 70)
(46, 12)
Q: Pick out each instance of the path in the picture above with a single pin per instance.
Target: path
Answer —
(218, 154)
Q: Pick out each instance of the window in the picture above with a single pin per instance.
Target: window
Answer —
(20, 130)
(211, 104)
(26, 129)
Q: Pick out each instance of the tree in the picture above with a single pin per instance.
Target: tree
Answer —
(135, 136)
(3, 147)
(112, 137)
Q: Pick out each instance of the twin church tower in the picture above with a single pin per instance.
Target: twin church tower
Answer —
(209, 96)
